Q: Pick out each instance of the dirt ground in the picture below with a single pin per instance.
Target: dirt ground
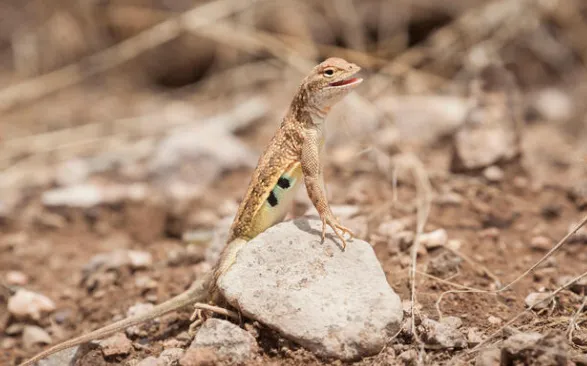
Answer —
(497, 227)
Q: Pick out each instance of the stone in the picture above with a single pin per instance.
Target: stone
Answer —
(474, 336)
(520, 341)
(116, 259)
(541, 243)
(32, 335)
(199, 357)
(139, 330)
(334, 303)
(535, 300)
(65, 357)
(488, 357)
(444, 264)
(139, 259)
(27, 304)
(434, 239)
(171, 356)
(16, 278)
(490, 133)
(150, 361)
(227, 341)
(552, 104)
(444, 334)
(116, 345)
(494, 320)
(408, 357)
(493, 174)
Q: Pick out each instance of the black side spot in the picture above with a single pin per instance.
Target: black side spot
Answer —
(272, 199)
(283, 183)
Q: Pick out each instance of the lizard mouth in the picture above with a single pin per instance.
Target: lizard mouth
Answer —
(347, 82)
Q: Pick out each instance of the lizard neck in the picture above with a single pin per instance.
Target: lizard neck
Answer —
(306, 110)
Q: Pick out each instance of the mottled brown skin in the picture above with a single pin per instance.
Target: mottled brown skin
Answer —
(293, 152)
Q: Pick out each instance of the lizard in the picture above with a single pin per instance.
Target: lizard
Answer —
(293, 155)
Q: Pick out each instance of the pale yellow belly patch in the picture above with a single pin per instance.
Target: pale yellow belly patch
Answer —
(279, 201)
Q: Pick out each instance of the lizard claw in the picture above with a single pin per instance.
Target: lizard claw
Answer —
(338, 229)
(197, 318)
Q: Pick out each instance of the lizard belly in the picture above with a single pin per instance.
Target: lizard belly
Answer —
(279, 201)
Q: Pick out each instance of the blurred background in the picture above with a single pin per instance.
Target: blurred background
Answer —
(136, 124)
(96, 86)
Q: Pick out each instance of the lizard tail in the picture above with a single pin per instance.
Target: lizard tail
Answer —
(198, 292)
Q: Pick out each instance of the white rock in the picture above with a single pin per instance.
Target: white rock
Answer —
(541, 243)
(444, 334)
(28, 304)
(553, 105)
(493, 173)
(83, 195)
(32, 335)
(434, 239)
(335, 303)
(425, 117)
(170, 356)
(229, 342)
(89, 194)
(117, 259)
(537, 299)
(16, 278)
(474, 337)
(140, 259)
(520, 341)
(494, 320)
(210, 146)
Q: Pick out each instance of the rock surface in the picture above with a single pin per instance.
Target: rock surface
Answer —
(335, 303)
(32, 335)
(228, 342)
(116, 345)
(444, 333)
(65, 357)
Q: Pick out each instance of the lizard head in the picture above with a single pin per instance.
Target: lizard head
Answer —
(330, 81)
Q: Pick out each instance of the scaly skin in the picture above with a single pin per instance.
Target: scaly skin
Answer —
(292, 154)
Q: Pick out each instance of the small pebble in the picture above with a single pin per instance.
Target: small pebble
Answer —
(536, 299)
(16, 278)
(494, 320)
(493, 174)
(541, 243)
(32, 335)
(14, 329)
(116, 345)
(474, 337)
(140, 259)
(28, 304)
(434, 239)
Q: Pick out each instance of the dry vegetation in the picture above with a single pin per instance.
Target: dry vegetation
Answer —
(135, 125)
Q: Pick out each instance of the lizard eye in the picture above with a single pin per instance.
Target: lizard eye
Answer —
(328, 72)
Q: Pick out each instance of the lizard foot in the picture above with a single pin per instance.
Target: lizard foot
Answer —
(205, 311)
(339, 230)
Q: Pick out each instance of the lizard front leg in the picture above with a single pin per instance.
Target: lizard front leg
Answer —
(314, 181)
